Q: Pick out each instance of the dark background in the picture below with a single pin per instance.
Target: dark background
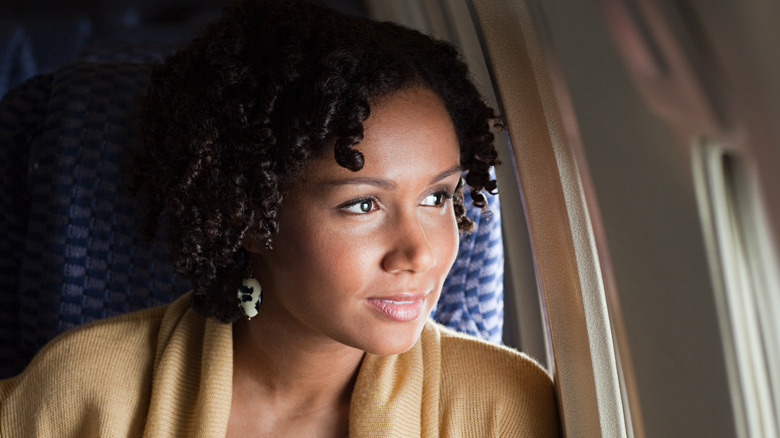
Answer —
(39, 36)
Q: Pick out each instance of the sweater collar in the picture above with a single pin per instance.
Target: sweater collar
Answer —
(193, 375)
(398, 395)
(394, 396)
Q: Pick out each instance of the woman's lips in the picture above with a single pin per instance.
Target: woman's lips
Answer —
(400, 308)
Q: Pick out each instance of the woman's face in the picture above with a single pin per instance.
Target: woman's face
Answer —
(360, 257)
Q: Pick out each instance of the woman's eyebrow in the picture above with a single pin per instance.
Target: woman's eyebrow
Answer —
(388, 184)
(377, 182)
(452, 170)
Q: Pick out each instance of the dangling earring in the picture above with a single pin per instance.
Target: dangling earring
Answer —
(249, 297)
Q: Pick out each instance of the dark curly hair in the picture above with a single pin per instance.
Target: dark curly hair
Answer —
(232, 119)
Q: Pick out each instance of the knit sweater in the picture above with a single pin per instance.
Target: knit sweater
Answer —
(167, 372)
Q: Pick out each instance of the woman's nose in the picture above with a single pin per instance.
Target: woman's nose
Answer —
(409, 249)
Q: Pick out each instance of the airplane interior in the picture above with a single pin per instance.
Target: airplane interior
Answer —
(633, 247)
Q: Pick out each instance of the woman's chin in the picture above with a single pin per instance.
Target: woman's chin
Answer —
(395, 343)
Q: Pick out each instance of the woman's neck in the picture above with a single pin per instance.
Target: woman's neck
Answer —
(285, 377)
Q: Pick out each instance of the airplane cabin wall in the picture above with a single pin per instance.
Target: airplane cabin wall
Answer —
(641, 171)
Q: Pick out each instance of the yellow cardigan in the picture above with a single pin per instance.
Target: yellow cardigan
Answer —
(167, 372)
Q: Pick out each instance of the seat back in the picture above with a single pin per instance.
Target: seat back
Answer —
(71, 250)
(472, 298)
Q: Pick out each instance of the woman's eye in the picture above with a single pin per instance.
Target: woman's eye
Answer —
(361, 206)
(435, 199)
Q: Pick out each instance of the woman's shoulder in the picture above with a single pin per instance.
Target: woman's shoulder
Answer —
(493, 387)
(105, 366)
(112, 341)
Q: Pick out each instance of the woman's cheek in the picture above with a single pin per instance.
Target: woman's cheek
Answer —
(447, 239)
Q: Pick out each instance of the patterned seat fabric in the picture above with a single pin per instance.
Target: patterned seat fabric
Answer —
(69, 251)
(472, 299)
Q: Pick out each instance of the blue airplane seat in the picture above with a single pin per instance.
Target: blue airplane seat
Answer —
(69, 250)
(472, 298)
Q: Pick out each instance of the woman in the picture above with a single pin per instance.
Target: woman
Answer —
(309, 168)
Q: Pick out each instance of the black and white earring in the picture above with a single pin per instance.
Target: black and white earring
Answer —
(249, 297)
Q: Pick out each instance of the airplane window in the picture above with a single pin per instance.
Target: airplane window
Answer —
(745, 284)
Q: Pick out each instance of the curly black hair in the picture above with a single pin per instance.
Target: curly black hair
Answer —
(232, 119)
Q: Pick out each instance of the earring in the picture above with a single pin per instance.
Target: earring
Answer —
(249, 297)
